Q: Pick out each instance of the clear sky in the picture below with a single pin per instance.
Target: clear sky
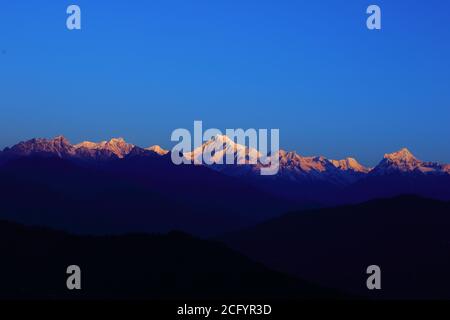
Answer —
(140, 69)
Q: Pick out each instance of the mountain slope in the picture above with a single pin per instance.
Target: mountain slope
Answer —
(173, 266)
(138, 193)
(406, 236)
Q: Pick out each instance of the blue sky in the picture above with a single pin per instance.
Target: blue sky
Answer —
(140, 69)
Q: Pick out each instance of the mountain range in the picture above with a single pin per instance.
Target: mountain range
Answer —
(293, 167)
(115, 187)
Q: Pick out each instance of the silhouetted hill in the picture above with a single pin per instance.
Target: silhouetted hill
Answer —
(139, 193)
(396, 184)
(408, 237)
(174, 266)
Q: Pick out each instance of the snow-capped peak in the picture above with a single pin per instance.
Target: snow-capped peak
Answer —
(403, 161)
(219, 146)
(157, 149)
(118, 146)
(59, 146)
(349, 164)
(88, 145)
(60, 139)
(403, 155)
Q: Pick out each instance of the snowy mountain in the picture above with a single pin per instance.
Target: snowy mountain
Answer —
(293, 167)
(221, 146)
(247, 161)
(157, 149)
(404, 162)
(117, 146)
(296, 167)
(59, 146)
(62, 148)
(350, 164)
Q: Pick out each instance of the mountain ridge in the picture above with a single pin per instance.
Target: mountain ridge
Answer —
(248, 161)
(139, 266)
(407, 236)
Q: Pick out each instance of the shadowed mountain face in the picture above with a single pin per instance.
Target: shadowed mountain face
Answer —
(407, 237)
(395, 184)
(174, 266)
(142, 193)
